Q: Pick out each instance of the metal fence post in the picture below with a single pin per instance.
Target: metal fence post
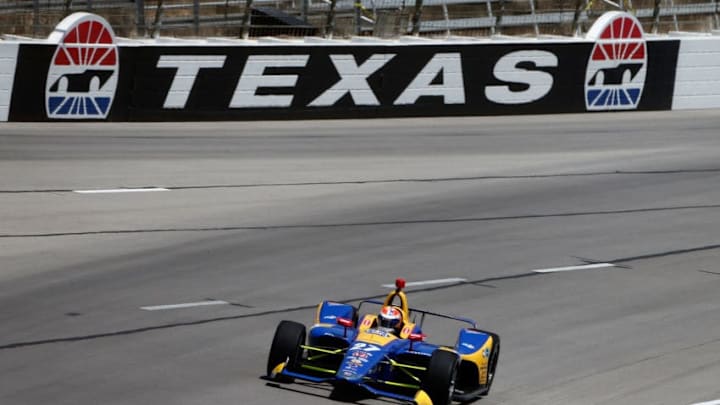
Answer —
(534, 16)
(156, 23)
(140, 17)
(446, 17)
(304, 10)
(358, 17)
(656, 16)
(36, 16)
(416, 17)
(246, 20)
(490, 15)
(196, 16)
(330, 25)
(498, 20)
(674, 14)
(576, 18)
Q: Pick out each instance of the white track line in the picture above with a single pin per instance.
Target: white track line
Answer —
(429, 282)
(185, 305)
(122, 190)
(573, 268)
(715, 402)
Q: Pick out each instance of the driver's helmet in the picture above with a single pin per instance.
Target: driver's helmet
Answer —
(390, 317)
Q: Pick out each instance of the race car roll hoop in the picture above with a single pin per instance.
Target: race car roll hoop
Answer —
(349, 351)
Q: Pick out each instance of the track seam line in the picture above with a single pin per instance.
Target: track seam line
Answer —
(401, 180)
(363, 224)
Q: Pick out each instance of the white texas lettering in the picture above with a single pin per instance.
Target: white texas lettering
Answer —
(353, 80)
(253, 77)
(187, 67)
(451, 89)
(506, 69)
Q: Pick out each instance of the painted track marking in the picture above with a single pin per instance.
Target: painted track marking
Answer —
(429, 282)
(185, 305)
(715, 402)
(122, 190)
(574, 268)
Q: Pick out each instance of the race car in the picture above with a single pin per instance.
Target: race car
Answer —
(385, 353)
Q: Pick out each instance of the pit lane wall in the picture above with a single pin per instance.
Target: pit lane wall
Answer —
(83, 72)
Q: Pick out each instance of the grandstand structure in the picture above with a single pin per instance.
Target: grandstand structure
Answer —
(346, 18)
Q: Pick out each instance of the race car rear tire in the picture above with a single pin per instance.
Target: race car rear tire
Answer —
(286, 346)
(439, 381)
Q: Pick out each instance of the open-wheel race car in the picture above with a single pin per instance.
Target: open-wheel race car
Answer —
(385, 354)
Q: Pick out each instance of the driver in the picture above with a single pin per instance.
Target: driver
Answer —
(390, 319)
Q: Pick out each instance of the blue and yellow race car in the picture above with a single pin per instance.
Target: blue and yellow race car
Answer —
(386, 353)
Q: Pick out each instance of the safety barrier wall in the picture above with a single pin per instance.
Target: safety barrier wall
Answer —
(697, 82)
(82, 73)
(8, 59)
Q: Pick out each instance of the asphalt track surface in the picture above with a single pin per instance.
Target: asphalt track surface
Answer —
(273, 217)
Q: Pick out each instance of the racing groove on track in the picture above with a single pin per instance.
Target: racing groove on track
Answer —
(272, 217)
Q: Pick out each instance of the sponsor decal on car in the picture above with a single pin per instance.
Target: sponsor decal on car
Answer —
(83, 73)
(420, 353)
(378, 332)
(616, 70)
(361, 354)
(352, 366)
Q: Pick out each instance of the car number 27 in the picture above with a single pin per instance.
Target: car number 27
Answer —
(365, 347)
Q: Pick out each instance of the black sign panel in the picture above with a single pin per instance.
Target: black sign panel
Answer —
(180, 83)
(28, 96)
(660, 80)
(213, 91)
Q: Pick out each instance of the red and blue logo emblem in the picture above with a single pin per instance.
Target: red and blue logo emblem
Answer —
(615, 75)
(83, 72)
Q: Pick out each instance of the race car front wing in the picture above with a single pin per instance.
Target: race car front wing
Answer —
(420, 398)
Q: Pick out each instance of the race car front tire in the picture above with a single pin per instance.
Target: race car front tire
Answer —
(492, 364)
(439, 381)
(286, 347)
